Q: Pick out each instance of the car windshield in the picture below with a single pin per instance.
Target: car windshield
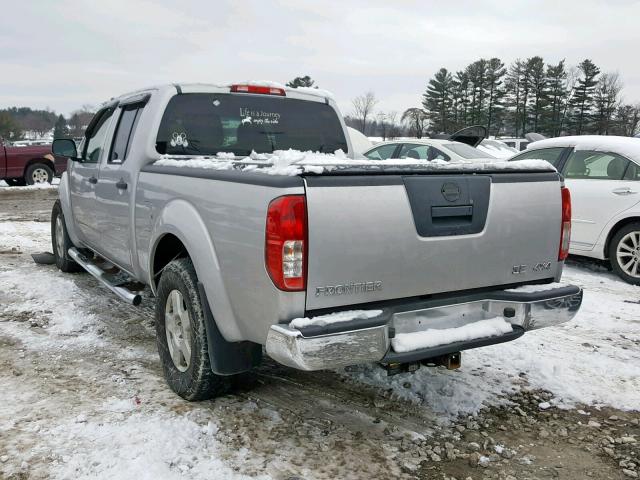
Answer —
(208, 123)
(467, 151)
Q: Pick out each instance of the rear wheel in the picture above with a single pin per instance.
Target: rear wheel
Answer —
(61, 242)
(624, 253)
(181, 334)
(38, 173)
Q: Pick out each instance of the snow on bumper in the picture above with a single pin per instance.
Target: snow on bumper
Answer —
(371, 339)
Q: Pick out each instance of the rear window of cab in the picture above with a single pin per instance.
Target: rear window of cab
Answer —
(209, 123)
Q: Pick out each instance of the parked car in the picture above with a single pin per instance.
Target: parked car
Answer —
(427, 149)
(603, 175)
(518, 143)
(324, 260)
(29, 164)
(496, 148)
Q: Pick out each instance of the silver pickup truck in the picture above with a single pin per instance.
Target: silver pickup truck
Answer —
(201, 193)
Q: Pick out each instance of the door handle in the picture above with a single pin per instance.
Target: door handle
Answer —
(121, 185)
(624, 191)
(93, 180)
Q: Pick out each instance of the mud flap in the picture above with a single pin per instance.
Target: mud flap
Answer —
(227, 358)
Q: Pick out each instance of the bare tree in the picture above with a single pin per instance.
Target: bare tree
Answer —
(363, 107)
(416, 118)
(607, 100)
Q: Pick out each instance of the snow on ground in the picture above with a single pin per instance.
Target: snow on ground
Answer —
(38, 186)
(83, 395)
(593, 359)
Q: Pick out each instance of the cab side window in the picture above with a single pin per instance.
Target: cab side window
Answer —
(551, 155)
(595, 165)
(94, 141)
(383, 152)
(124, 132)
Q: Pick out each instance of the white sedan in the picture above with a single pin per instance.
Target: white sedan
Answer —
(603, 176)
(427, 149)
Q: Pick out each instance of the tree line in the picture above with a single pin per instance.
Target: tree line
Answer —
(528, 96)
(16, 122)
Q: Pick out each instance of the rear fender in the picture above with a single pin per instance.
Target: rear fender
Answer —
(65, 202)
(180, 218)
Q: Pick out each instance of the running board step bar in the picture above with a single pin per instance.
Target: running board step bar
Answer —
(90, 266)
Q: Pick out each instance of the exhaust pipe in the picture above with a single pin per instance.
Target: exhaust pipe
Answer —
(100, 275)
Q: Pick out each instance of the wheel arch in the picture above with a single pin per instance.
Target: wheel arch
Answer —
(180, 230)
(44, 160)
(615, 228)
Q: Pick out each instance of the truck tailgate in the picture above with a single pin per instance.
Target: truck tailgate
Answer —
(382, 237)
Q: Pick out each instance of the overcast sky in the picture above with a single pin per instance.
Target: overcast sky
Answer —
(64, 54)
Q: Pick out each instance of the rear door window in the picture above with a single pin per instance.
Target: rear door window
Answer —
(124, 132)
(422, 152)
(551, 155)
(208, 123)
(595, 165)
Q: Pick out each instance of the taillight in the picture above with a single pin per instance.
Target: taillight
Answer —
(259, 89)
(565, 231)
(286, 242)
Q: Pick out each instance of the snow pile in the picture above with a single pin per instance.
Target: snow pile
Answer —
(537, 288)
(294, 162)
(492, 327)
(626, 146)
(337, 317)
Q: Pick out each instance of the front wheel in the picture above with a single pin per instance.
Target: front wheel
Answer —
(61, 242)
(38, 173)
(624, 253)
(181, 334)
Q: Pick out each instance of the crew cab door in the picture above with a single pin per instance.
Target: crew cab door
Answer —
(602, 185)
(114, 189)
(83, 177)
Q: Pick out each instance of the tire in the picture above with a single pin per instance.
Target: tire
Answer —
(624, 253)
(38, 173)
(61, 242)
(178, 302)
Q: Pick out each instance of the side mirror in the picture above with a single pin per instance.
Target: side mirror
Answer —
(65, 147)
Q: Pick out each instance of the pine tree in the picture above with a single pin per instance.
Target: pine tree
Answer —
(301, 82)
(583, 98)
(557, 84)
(513, 85)
(495, 73)
(538, 88)
(60, 129)
(437, 100)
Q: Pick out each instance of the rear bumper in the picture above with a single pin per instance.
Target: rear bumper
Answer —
(370, 340)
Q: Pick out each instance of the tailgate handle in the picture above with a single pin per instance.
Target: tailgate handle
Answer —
(453, 211)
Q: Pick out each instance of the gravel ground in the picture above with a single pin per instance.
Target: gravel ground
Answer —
(83, 395)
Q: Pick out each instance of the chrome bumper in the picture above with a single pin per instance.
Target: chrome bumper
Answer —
(526, 311)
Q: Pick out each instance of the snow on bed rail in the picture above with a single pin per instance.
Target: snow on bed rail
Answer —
(294, 162)
(337, 317)
(492, 327)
